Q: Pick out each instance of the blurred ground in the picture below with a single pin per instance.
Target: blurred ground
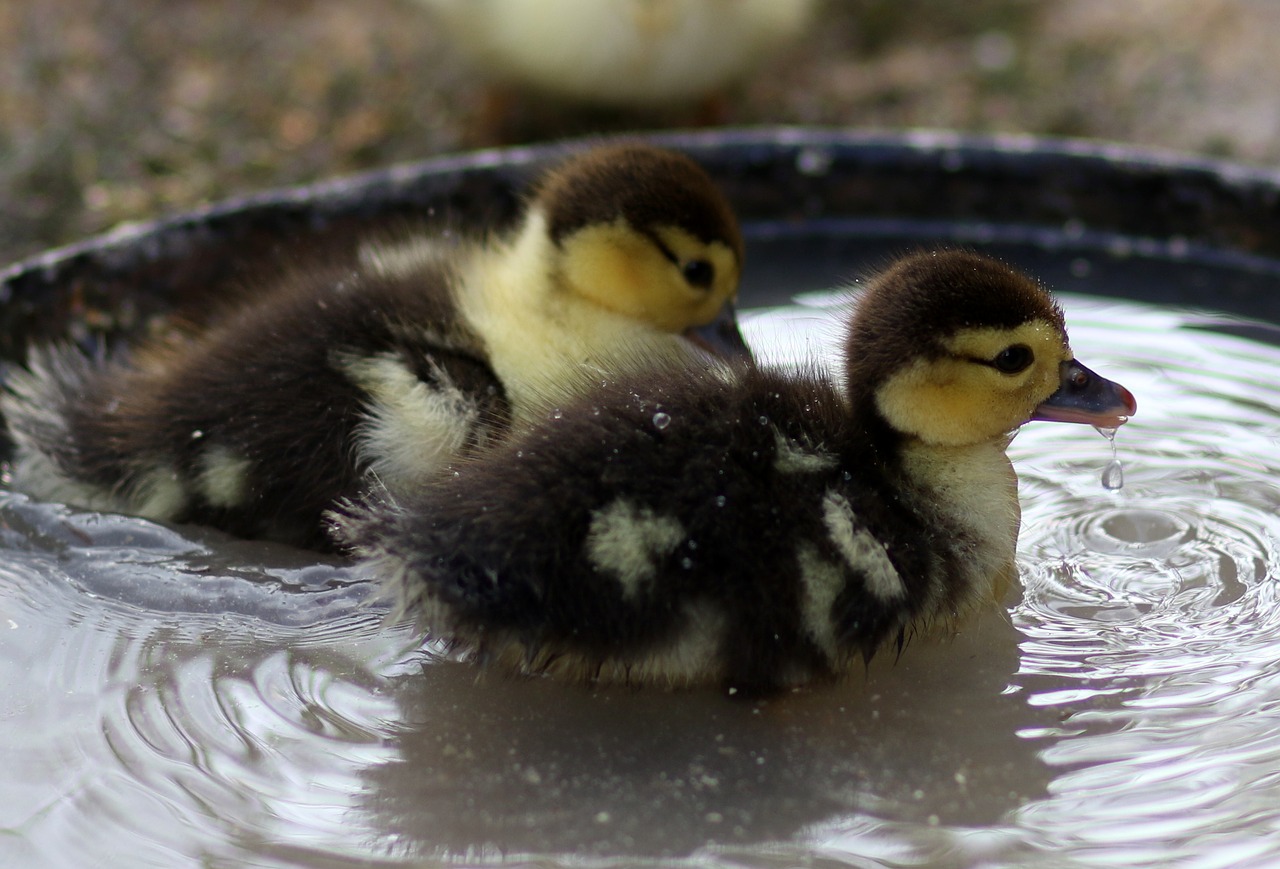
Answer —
(114, 110)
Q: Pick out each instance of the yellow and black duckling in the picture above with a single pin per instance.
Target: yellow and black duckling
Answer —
(760, 530)
(382, 371)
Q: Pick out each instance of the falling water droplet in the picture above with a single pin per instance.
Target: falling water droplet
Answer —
(661, 420)
(1113, 475)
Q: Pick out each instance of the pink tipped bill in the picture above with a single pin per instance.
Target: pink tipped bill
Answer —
(1086, 397)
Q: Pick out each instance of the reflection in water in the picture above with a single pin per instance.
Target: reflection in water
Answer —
(184, 699)
(538, 767)
(173, 736)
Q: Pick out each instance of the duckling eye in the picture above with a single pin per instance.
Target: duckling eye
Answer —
(1013, 359)
(699, 273)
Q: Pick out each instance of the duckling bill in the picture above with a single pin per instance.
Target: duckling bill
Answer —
(757, 531)
(341, 375)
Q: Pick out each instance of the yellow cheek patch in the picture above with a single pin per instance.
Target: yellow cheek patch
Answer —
(953, 399)
(624, 271)
(706, 303)
(607, 263)
(931, 400)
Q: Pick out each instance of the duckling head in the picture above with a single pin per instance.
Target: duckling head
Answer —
(644, 233)
(954, 348)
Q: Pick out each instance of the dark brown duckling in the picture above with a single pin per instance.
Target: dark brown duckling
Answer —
(382, 371)
(760, 530)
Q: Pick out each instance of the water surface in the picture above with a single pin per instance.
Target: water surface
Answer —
(191, 700)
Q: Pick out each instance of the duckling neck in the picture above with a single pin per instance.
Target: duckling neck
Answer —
(972, 489)
(544, 341)
(968, 491)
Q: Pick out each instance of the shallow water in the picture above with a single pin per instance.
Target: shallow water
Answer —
(189, 700)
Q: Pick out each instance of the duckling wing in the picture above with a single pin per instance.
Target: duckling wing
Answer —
(259, 423)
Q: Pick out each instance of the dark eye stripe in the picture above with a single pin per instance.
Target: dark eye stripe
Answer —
(666, 251)
(1010, 360)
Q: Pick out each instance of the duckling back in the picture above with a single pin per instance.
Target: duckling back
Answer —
(256, 424)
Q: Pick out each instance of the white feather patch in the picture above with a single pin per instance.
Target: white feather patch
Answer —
(793, 458)
(859, 549)
(822, 582)
(626, 541)
(412, 429)
(224, 477)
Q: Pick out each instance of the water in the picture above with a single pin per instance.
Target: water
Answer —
(188, 700)
(1113, 474)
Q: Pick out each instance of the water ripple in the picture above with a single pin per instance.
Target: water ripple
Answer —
(181, 729)
(183, 698)
(1150, 615)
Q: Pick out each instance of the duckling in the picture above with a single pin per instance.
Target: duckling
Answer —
(762, 530)
(381, 371)
(622, 53)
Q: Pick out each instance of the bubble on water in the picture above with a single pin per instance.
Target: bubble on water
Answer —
(661, 420)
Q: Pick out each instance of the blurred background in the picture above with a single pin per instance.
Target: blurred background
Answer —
(118, 110)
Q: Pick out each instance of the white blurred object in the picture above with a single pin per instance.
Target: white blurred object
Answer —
(622, 52)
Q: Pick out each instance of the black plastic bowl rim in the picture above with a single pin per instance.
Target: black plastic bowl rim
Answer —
(782, 181)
